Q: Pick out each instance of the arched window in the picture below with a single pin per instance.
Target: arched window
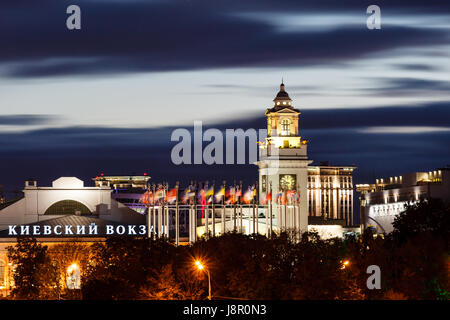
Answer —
(68, 207)
(285, 127)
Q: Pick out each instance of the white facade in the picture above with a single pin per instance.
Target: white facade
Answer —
(283, 163)
(35, 204)
(384, 200)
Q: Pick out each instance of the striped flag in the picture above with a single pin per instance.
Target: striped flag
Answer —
(219, 195)
(147, 198)
(171, 195)
(209, 194)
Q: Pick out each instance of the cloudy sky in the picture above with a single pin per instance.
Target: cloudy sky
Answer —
(106, 98)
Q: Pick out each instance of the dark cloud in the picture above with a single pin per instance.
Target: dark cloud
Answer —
(25, 120)
(415, 67)
(142, 36)
(408, 86)
(434, 114)
(334, 135)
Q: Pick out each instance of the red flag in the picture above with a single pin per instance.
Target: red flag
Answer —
(147, 198)
(283, 198)
(171, 195)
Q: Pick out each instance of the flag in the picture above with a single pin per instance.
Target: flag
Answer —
(159, 194)
(201, 195)
(297, 197)
(248, 196)
(266, 198)
(219, 195)
(269, 196)
(186, 196)
(279, 196)
(209, 194)
(290, 194)
(283, 198)
(230, 195)
(171, 195)
(147, 198)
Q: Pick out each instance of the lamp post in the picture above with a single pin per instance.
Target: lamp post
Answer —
(73, 272)
(200, 266)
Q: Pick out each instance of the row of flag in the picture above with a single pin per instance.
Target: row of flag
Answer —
(206, 196)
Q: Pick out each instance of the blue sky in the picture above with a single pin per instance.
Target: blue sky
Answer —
(106, 97)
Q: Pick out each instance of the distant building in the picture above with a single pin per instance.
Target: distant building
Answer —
(127, 190)
(330, 192)
(123, 182)
(383, 200)
(66, 196)
(65, 212)
(326, 192)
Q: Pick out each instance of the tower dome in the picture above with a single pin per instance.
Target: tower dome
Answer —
(282, 99)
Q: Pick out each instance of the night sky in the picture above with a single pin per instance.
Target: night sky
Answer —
(106, 98)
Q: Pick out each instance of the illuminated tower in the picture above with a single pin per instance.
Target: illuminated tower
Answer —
(283, 158)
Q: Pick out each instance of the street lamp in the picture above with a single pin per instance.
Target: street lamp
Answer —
(200, 267)
(345, 263)
(73, 272)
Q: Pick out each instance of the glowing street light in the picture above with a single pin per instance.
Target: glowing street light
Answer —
(73, 272)
(72, 268)
(201, 266)
(345, 263)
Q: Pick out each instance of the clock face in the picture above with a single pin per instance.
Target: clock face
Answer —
(287, 182)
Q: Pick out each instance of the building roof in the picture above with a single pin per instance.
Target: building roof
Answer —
(9, 202)
(282, 94)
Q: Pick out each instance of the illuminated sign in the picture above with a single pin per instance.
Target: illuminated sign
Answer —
(65, 230)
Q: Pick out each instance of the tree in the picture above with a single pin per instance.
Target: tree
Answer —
(431, 216)
(163, 286)
(121, 266)
(64, 255)
(35, 277)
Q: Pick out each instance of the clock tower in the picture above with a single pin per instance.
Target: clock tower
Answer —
(283, 161)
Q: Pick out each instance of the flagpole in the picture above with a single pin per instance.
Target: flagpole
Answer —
(213, 210)
(206, 213)
(154, 212)
(233, 198)
(285, 211)
(177, 217)
(223, 207)
(270, 211)
(165, 206)
(195, 213)
(253, 211)
(149, 217)
(240, 206)
(257, 207)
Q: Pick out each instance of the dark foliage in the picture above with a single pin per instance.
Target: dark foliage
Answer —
(414, 264)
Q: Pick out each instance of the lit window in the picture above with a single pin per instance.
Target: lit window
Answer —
(284, 102)
(278, 103)
(285, 127)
